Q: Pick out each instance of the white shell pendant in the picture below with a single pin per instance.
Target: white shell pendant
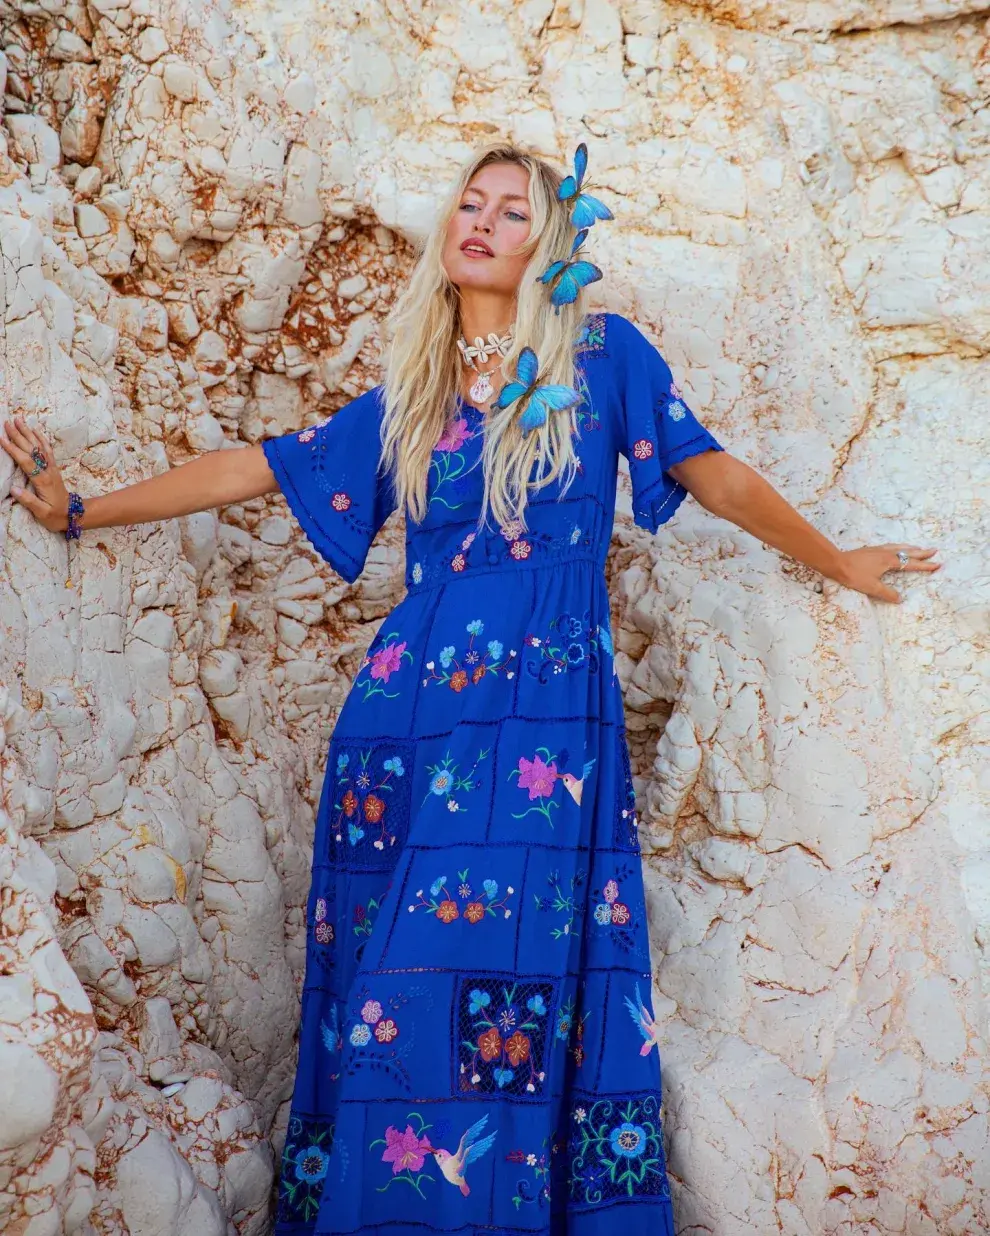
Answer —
(481, 389)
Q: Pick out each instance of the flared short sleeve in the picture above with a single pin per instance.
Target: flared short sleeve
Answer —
(331, 477)
(656, 427)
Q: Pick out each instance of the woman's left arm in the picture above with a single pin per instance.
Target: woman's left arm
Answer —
(731, 489)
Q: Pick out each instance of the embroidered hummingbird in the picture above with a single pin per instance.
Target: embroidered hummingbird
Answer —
(645, 1022)
(469, 1150)
(574, 785)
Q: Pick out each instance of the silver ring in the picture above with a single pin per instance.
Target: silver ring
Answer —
(903, 558)
(40, 462)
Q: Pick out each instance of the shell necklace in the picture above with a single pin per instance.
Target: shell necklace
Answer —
(476, 354)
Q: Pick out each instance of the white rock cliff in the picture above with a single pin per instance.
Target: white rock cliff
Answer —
(204, 213)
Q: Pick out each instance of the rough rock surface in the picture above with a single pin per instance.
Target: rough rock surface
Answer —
(204, 213)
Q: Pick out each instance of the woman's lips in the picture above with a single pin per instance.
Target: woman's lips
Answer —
(476, 249)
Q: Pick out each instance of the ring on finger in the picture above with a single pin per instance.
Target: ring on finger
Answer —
(40, 462)
(903, 558)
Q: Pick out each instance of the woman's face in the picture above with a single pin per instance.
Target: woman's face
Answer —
(492, 219)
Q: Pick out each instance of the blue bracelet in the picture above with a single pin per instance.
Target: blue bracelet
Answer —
(76, 510)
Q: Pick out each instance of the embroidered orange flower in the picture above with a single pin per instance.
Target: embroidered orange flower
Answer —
(374, 808)
(386, 1030)
(490, 1044)
(579, 1055)
(517, 1048)
(621, 914)
(458, 563)
(349, 803)
(479, 673)
(474, 912)
(447, 911)
(458, 680)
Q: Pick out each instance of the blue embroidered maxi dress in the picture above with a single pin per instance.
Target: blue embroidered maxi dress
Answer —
(477, 1052)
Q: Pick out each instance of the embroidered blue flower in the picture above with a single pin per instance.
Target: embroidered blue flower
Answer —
(354, 834)
(575, 534)
(475, 627)
(447, 655)
(628, 1140)
(537, 1005)
(563, 1025)
(437, 885)
(495, 649)
(603, 914)
(575, 654)
(676, 410)
(312, 1164)
(361, 1035)
(342, 761)
(478, 1000)
(491, 889)
(394, 765)
(417, 573)
(503, 1077)
(440, 783)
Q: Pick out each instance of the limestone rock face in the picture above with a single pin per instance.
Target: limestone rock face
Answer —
(204, 214)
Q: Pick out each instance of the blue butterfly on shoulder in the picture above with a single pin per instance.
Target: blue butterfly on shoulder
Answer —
(567, 278)
(587, 210)
(536, 401)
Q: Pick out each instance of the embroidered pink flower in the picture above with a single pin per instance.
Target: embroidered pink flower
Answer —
(405, 1151)
(323, 933)
(387, 660)
(537, 776)
(643, 449)
(371, 1012)
(468, 540)
(520, 550)
(340, 502)
(611, 892)
(511, 530)
(455, 437)
(307, 435)
(675, 390)
(458, 563)
(621, 914)
(386, 1030)
(321, 909)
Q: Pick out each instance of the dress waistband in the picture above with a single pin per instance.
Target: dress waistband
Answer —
(421, 577)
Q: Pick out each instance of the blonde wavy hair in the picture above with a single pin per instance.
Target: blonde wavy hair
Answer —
(422, 371)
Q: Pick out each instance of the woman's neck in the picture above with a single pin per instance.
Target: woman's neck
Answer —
(485, 313)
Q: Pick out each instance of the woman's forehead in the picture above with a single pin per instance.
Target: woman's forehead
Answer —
(501, 180)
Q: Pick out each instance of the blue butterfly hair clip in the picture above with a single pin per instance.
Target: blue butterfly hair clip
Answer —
(568, 277)
(587, 209)
(536, 401)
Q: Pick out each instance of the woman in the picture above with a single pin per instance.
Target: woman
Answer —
(477, 1050)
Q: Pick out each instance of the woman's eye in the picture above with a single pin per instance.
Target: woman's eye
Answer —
(468, 206)
(516, 217)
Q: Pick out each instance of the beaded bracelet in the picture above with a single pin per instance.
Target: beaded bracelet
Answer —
(76, 511)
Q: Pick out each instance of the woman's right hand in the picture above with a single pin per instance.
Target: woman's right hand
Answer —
(46, 496)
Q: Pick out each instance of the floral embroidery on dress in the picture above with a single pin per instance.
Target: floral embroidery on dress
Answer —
(322, 927)
(407, 1152)
(540, 776)
(643, 449)
(361, 801)
(504, 1034)
(570, 1028)
(305, 1162)
(591, 337)
(464, 901)
(535, 1192)
(571, 643)
(364, 922)
(385, 661)
(473, 665)
(372, 1030)
(616, 1152)
(562, 903)
(448, 465)
(445, 781)
(614, 917)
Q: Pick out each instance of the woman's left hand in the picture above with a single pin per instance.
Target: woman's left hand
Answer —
(863, 569)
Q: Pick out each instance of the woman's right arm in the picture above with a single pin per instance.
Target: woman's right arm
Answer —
(212, 480)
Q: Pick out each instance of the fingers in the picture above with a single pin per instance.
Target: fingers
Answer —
(19, 443)
(37, 506)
